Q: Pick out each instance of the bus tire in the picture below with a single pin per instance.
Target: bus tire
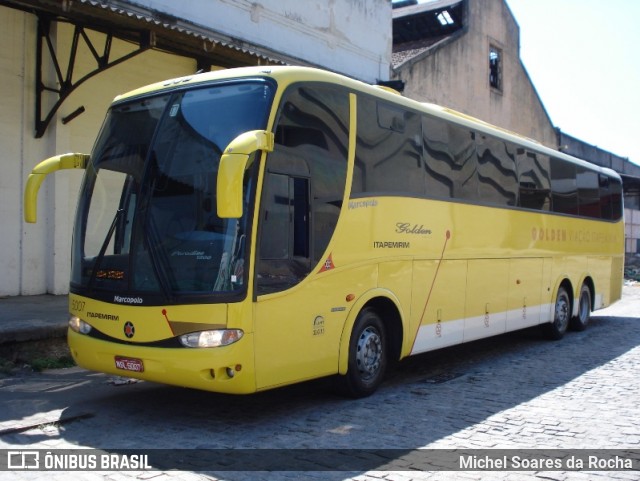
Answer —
(368, 355)
(561, 316)
(579, 323)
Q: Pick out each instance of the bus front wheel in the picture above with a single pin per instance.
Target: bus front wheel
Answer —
(367, 355)
(562, 315)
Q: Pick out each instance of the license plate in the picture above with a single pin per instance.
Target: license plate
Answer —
(129, 364)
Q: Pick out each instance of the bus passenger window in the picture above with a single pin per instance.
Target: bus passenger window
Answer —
(615, 187)
(462, 159)
(435, 137)
(388, 150)
(588, 193)
(533, 179)
(450, 160)
(563, 187)
(497, 181)
(605, 197)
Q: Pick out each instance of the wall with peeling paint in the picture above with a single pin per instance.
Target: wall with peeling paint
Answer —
(352, 37)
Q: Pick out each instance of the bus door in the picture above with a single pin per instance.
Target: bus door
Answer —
(296, 331)
(300, 311)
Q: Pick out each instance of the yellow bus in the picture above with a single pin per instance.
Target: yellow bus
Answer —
(245, 229)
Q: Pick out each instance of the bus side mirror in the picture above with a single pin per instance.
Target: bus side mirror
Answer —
(38, 174)
(233, 163)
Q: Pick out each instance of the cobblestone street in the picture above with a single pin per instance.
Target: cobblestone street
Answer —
(514, 391)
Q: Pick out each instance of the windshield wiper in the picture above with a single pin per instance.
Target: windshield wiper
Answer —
(103, 247)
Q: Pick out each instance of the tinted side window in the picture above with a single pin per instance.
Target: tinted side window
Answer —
(534, 191)
(588, 193)
(462, 157)
(388, 149)
(616, 198)
(610, 197)
(606, 197)
(275, 240)
(314, 126)
(435, 139)
(450, 160)
(304, 184)
(497, 181)
(563, 186)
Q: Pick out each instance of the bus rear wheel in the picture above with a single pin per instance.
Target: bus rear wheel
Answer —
(368, 356)
(579, 323)
(562, 315)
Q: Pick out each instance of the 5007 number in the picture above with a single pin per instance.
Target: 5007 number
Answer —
(77, 305)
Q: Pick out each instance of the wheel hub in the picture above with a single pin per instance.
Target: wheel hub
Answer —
(562, 311)
(369, 353)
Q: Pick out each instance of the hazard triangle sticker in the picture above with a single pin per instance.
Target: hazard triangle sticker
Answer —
(328, 265)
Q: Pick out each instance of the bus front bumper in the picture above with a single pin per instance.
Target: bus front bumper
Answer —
(227, 369)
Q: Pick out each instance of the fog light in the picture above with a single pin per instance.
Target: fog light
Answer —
(78, 325)
(215, 338)
(230, 372)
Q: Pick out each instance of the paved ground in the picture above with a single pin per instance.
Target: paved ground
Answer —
(31, 318)
(514, 391)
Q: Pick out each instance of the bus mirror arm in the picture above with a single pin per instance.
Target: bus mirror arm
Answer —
(233, 163)
(38, 174)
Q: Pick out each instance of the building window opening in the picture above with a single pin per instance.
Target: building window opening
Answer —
(445, 18)
(495, 68)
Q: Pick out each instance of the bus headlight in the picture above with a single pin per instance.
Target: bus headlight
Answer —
(216, 338)
(78, 325)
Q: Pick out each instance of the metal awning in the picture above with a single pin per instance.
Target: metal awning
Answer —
(142, 27)
(171, 34)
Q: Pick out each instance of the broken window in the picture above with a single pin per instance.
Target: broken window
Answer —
(495, 67)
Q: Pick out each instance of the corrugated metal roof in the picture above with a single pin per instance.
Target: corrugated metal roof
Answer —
(157, 19)
(127, 20)
(407, 51)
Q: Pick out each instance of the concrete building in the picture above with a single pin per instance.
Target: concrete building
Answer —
(465, 55)
(63, 61)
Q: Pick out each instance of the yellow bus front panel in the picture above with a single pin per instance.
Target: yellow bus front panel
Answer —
(227, 369)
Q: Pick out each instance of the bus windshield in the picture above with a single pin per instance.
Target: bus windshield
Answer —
(146, 223)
